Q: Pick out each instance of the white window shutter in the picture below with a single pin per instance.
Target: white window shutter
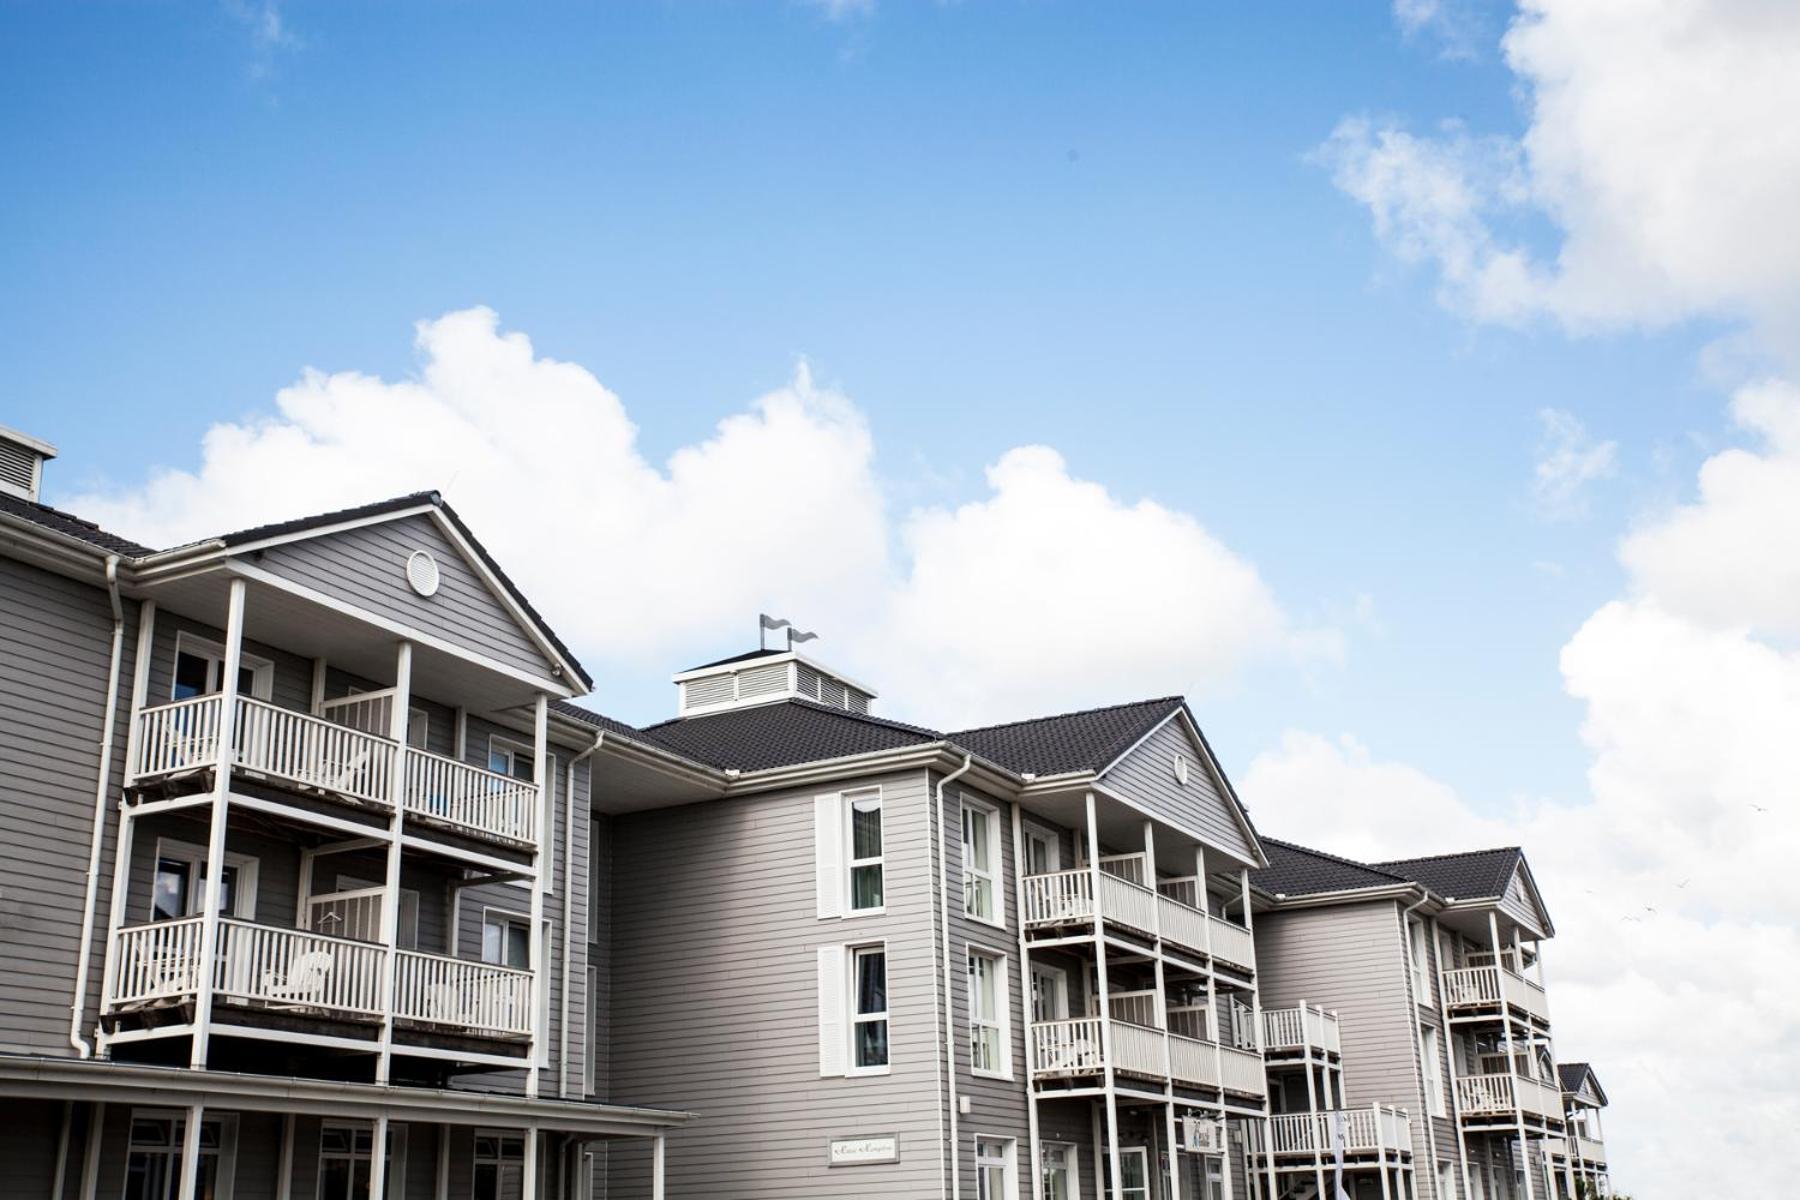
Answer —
(828, 853)
(834, 1041)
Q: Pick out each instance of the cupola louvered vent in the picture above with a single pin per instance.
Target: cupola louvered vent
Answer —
(22, 463)
(766, 677)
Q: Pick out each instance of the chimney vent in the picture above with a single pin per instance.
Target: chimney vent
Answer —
(22, 459)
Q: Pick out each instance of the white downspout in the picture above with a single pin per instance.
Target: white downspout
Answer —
(568, 915)
(954, 1147)
(78, 1004)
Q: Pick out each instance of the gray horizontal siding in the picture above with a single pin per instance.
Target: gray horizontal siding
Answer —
(1147, 777)
(366, 567)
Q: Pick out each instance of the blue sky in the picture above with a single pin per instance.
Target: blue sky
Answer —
(1287, 292)
(991, 224)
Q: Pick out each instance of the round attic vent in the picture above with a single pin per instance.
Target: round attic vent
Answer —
(422, 573)
(1181, 770)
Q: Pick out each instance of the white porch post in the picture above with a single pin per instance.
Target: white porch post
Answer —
(443, 1163)
(540, 974)
(378, 1139)
(90, 1160)
(1117, 1162)
(659, 1153)
(215, 845)
(1512, 1063)
(1161, 1008)
(284, 1162)
(1024, 993)
(190, 1152)
(1315, 1124)
(528, 1182)
(399, 710)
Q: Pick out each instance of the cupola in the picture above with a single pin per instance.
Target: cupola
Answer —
(22, 459)
(766, 677)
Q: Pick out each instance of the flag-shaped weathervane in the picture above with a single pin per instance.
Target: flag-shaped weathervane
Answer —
(765, 623)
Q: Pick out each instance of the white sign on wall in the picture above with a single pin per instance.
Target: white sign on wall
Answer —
(855, 1151)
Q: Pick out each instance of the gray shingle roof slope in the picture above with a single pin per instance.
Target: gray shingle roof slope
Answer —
(62, 522)
(1068, 742)
(1295, 870)
(782, 734)
(1470, 875)
(589, 717)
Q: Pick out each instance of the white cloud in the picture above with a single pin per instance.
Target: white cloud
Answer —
(1000, 608)
(1660, 149)
(1452, 25)
(1672, 881)
(843, 10)
(1568, 460)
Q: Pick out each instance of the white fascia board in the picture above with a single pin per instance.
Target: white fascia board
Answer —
(30, 443)
(769, 660)
(947, 755)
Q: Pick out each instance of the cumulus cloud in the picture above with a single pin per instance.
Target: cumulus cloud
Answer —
(1568, 460)
(1002, 607)
(1660, 151)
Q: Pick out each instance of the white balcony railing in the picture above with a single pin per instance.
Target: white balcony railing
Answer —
(1587, 1149)
(462, 994)
(1193, 1061)
(1369, 1130)
(303, 971)
(1059, 897)
(1063, 1049)
(1232, 943)
(470, 798)
(1487, 1096)
(1490, 987)
(1138, 1050)
(1139, 1008)
(1301, 1026)
(1066, 897)
(1181, 924)
(1241, 1071)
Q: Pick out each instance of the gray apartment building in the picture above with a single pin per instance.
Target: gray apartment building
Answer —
(319, 885)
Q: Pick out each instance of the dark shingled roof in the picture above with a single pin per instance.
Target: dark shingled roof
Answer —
(1471, 875)
(1571, 1075)
(1298, 871)
(75, 527)
(1077, 741)
(588, 716)
(783, 734)
(738, 658)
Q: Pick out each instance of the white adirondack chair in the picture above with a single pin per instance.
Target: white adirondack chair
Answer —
(303, 982)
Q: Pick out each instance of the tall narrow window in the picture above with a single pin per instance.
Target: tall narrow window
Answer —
(869, 1009)
(1057, 1166)
(981, 868)
(987, 1014)
(506, 941)
(499, 1165)
(345, 1151)
(993, 1169)
(1043, 853)
(867, 886)
(200, 670)
(1434, 1075)
(153, 1156)
(1419, 955)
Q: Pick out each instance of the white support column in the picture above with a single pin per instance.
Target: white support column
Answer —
(284, 1162)
(190, 1152)
(540, 973)
(1024, 994)
(398, 713)
(378, 1140)
(1512, 1065)
(443, 1162)
(90, 1159)
(659, 1155)
(528, 1183)
(1174, 1152)
(1312, 1106)
(215, 845)
(1116, 1164)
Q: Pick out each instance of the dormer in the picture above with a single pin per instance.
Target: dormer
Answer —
(766, 677)
(22, 459)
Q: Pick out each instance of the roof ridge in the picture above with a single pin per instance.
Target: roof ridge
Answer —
(814, 705)
(1519, 850)
(1336, 858)
(1080, 712)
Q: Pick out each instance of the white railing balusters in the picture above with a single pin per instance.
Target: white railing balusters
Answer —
(463, 994)
(469, 797)
(177, 737)
(1366, 1130)
(1066, 1048)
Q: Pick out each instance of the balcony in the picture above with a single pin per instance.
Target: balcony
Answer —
(304, 973)
(1489, 1100)
(1377, 1131)
(1062, 898)
(1493, 991)
(1067, 1051)
(303, 753)
(1288, 1031)
(1586, 1150)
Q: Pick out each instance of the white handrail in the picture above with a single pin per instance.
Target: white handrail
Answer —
(1241, 1071)
(1232, 943)
(294, 745)
(1059, 897)
(1066, 1048)
(1127, 903)
(1488, 987)
(462, 994)
(177, 737)
(470, 797)
(155, 961)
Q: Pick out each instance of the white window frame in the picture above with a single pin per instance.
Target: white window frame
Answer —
(262, 671)
(418, 719)
(506, 916)
(1059, 980)
(226, 1176)
(1037, 834)
(248, 865)
(1000, 1022)
(1000, 1152)
(395, 1161)
(510, 746)
(851, 862)
(409, 906)
(1142, 1154)
(990, 871)
(1418, 953)
(1071, 1164)
(499, 1161)
(852, 956)
(1430, 1048)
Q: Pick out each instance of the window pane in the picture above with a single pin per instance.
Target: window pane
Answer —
(171, 891)
(871, 1044)
(865, 887)
(518, 946)
(493, 942)
(500, 760)
(246, 681)
(865, 829)
(228, 891)
(192, 675)
(871, 982)
(522, 766)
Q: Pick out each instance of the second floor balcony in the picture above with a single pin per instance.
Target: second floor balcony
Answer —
(1063, 898)
(1293, 1032)
(1377, 1131)
(328, 756)
(1500, 1098)
(1494, 990)
(1071, 1051)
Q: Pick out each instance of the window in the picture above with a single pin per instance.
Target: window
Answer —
(1446, 1177)
(981, 842)
(511, 758)
(1060, 1171)
(867, 891)
(344, 1152)
(408, 934)
(869, 1009)
(180, 868)
(499, 1165)
(1134, 1170)
(418, 728)
(993, 1169)
(153, 1157)
(1434, 1075)
(1049, 993)
(200, 670)
(1417, 953)
(506, 940)
(988, 1043)
(1043, 852)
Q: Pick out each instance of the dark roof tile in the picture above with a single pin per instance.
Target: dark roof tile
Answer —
(1079, 741)
(1467, 875)
(1295, 870)
(782, 734)
(62, 522)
